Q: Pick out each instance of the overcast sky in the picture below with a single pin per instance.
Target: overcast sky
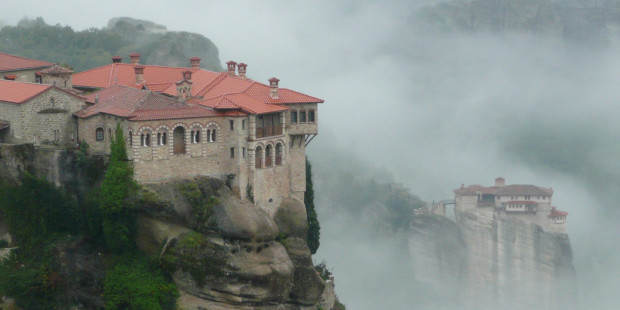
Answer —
(434, 112)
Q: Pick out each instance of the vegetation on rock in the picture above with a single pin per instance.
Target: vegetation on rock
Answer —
(314, 228)
(90, 48)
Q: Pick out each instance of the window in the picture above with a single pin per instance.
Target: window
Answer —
(302, 116)
(147, 140)
(52, 102)
(232, 124)
(158, 138)
(164, 138)
(211, 135)
(311, 116)
(243, 152)
(110, 135)
(243, 125)
(130, 138)
(197, 138)
(232, 152)
(99, 134)
(293, 117)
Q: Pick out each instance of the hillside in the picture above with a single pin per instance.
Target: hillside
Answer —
(34, 38)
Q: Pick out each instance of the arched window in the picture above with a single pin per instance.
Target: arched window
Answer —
(279, 154)
(130, 138)
(52, 102)
(268, 156)
(147, 140)
(179, 140)
(258, 157)
(110, 135)
(164, 138)
(197, 137)
(159, 138)
(212, 135)
(99, 134)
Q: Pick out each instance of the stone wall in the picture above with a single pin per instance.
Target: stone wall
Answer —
(24, 75)
(58, 80)
(46, 118)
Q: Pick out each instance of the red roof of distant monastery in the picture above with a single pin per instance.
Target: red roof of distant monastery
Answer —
(508, 190)
(21, 92)
(556, 212)
(215, 90)
(14, 63)
(142, 105)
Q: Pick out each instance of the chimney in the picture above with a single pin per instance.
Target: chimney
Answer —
(116, 59)
(231, 67)
(139, 70)
(195, 62)
(187, 75)
(500, 182)
(273, 88)
(242, 67)
(135, 58)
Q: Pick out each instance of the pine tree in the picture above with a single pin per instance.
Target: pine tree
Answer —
(314, 228)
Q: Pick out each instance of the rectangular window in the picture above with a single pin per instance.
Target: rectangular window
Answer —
(293, 117)
(243, 152)
(232, 152)
(302, 116)
(243, 125)
(311, 116)
(232, 124)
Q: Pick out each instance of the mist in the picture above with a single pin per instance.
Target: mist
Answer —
(428, 110)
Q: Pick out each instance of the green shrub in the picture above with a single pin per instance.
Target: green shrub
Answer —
(325, 273)
(4, 243)
(202, 207)
(37, 211)
(136, 282)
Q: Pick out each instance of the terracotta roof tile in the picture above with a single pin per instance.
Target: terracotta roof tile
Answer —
(508, 190)
(216, 90)
(14, 63)
(55, 69)
(136, 104)
(20, 92)
(556, 212)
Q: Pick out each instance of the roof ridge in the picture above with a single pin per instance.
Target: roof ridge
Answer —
(212, 85)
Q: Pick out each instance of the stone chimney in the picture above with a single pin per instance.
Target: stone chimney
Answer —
(135, 58)
(231, 67)
(116, 59)
(273, 88)
(500, 182)
(242, 67)
(139, 70)
(184, 86)
(195, 62)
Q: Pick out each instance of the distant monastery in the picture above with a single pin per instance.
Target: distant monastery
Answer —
(178, 122)
(529, 202)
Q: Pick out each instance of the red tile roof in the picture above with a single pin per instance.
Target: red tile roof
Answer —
(508, 190)
(213, 89)
(55, 69)
(20, 92)
(14, 63)
(556, 212)
(141, 105)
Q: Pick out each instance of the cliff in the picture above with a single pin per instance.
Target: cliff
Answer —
(220, 251)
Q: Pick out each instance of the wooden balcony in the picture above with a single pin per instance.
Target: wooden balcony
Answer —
(268, 131)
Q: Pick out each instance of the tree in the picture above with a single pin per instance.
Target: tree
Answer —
(314, 228)
(118, 220)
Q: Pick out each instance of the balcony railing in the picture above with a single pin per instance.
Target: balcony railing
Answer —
(268, 131)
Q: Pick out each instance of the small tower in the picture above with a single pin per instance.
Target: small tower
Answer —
(195, 62)
(500, 182)
(139, 71)
(134, 58)
(116, 59)
(184, 86)
(58, 76)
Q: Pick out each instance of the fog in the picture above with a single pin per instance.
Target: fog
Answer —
(429, 110)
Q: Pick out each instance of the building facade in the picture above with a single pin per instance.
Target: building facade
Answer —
(16, 68)
(186, 122)
(529, 202)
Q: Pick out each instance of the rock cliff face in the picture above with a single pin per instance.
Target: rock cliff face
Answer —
(482, 262)
(222, 252)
